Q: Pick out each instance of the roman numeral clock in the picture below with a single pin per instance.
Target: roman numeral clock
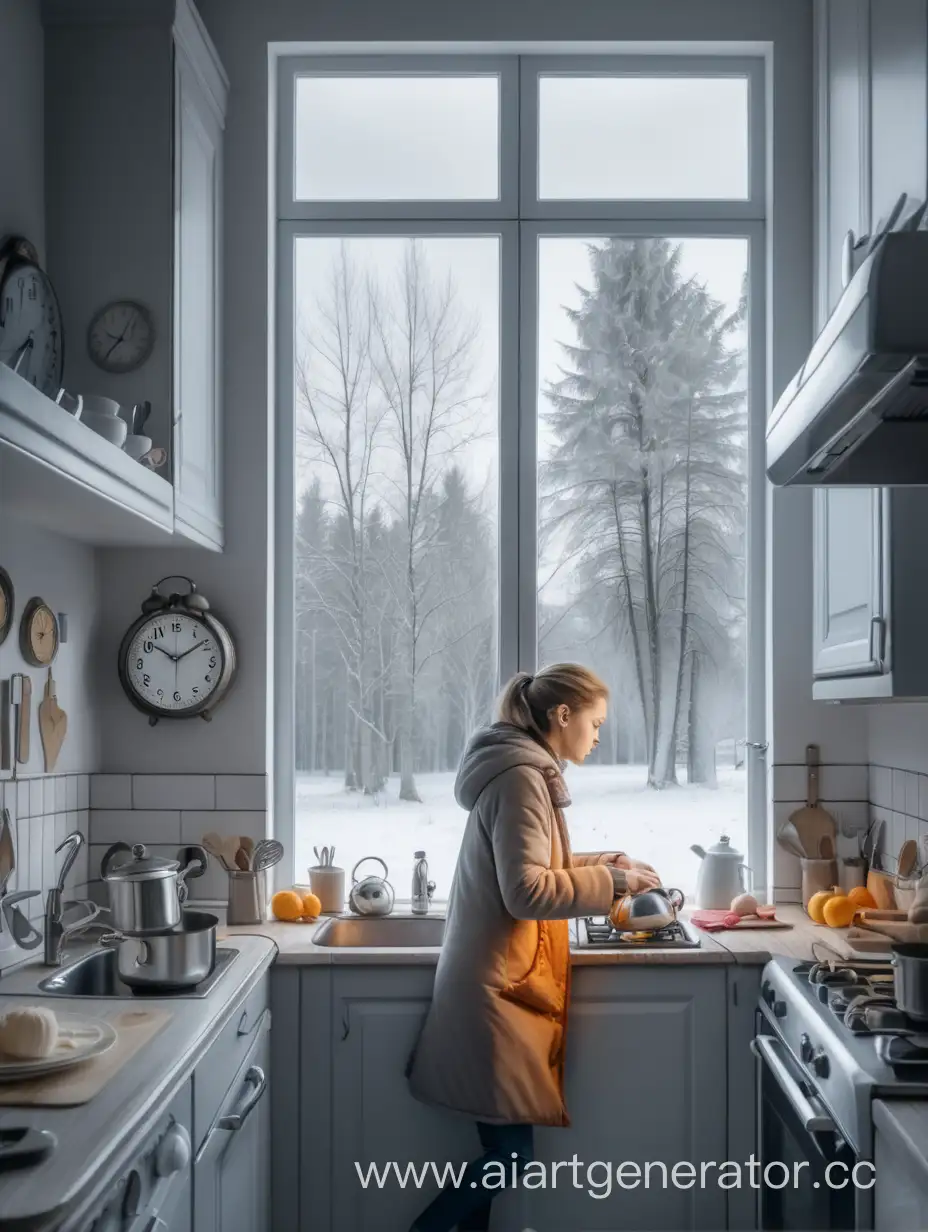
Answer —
(177, 661)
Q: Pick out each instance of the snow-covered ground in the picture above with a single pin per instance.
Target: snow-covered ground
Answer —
(612, 809)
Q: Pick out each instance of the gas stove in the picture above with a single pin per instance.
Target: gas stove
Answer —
(852, 1044)
(598, 933)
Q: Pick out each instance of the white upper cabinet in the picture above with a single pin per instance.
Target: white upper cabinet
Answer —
(135, 110)
(198, 120)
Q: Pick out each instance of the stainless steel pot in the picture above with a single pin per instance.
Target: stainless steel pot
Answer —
(910, 960)
(145, 892)
(177, 958)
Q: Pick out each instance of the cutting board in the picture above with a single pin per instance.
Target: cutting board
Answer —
(80, 1084)
(53, 724)
(746, 922)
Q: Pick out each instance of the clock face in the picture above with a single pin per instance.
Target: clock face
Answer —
(31, 333)
(38, 639)
(174, 663)
(121, 337)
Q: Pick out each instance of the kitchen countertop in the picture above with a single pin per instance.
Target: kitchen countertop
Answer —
(101, 1133)
(752, 947)
(905, 1124)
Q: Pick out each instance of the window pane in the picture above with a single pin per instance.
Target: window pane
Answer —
(396, 397)
(397, 138)
(641, 138)
(642, 446)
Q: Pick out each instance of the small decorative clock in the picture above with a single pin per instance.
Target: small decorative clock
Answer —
(38, 633)
(6, 605)
(121, 336)
(177, 661)
(31, 328)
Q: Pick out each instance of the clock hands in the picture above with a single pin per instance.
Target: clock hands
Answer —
(173, 658)
(197, 646)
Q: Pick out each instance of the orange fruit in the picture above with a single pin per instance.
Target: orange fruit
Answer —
(839, 911)
(312, 905)
(861, 897)
(287, 905)
(816, 907)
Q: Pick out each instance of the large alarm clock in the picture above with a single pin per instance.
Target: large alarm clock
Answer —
(31, 329)
(177, 660)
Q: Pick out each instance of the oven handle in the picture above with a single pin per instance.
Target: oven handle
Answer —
(765, 1048)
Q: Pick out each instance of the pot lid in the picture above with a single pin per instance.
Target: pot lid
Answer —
(724, 848)
(142, 867)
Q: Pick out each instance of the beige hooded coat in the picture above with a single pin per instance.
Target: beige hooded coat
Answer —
(492, 1045)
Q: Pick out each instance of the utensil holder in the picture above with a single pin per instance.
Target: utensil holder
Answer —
(851, 872)
(327, 882)
(817, 875)
(247, 898)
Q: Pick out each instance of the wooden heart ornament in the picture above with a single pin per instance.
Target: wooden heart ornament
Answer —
(53, 724)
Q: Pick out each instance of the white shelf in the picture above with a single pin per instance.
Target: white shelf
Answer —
(57, 473)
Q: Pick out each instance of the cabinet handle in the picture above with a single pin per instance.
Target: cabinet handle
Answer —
(877, 636)
(256, 1078)
(346, 1022)
(242, 1028)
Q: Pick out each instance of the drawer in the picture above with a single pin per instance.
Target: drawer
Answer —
(216, 1072)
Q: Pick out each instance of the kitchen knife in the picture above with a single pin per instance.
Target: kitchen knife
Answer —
(25, 719)
(7, 854)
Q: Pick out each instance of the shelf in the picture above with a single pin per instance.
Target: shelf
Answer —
(56, 473)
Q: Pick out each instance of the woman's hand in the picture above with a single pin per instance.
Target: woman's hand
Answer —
(642, 878)
(628, 863)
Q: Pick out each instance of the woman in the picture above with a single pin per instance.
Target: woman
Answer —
(492, 1046)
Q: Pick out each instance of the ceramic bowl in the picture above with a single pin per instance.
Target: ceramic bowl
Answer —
(96, 404)
(136, 445)
(111, 429)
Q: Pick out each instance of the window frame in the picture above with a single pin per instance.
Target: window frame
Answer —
(520, 219)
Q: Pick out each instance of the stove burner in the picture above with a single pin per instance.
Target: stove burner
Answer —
(673, 936)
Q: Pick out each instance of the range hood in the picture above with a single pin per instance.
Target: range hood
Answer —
(856, 412)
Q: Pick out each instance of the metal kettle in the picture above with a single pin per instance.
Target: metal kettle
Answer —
(371, 895)
(646, 911)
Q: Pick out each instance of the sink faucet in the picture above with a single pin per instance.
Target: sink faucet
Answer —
(422, 888)
(56, 932)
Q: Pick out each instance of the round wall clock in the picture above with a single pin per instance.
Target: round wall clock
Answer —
(177, 661)
(31, 328)
(6, 605)
(38, 633)
(121, 336)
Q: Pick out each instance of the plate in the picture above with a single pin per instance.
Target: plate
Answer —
(93, 1038)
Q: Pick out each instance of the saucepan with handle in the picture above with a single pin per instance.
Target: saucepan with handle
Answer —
(647, 911)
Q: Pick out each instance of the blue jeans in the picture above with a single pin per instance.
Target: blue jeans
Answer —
(467, 1205)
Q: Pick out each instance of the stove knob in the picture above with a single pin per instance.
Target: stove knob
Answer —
(132, 1196)
(779, 1009)
(173, 1151)
(820, 1065)
(824, 992)
(805, 1048)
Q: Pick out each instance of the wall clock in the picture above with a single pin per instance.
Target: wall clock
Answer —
(38, 633)
(121, 336)
(177, 661)
(6, 605)
(31, 328)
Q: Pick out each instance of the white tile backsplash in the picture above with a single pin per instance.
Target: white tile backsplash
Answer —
(881, 786)
(134, 826)
(193, 825)
(173, 791)
(36, 798)
(241, 791)
(111, 791)
(834, 782)
(898, 800)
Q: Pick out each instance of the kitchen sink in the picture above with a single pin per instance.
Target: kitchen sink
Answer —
(97, 975)
(400, 931)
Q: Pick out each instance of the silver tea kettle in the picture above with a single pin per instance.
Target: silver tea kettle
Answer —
(371, 895)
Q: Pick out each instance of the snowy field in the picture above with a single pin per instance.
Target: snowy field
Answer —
(612, 809)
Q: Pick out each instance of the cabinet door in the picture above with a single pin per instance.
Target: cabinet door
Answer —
(848, 567)
(232, 1175)
(197, 332)
(645, 1081)
(377, 1016)
(899, 101)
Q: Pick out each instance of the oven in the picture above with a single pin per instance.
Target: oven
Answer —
(796, 1128)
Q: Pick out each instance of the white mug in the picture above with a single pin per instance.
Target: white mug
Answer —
(96, 404)
(72, 403)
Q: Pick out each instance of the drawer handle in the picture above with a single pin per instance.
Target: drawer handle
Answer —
(256, 1078)
(243, 1024)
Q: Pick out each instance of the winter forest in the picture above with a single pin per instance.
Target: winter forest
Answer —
(642, 444)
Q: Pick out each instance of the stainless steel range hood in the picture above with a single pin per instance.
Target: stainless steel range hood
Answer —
(856, 413)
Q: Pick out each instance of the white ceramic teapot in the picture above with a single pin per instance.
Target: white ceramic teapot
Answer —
(721, 874)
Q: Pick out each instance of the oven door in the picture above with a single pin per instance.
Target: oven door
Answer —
(796, 1129)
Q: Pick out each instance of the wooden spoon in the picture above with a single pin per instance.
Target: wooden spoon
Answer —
(223, 849)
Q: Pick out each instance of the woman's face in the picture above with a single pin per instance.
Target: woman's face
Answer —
(575, 733)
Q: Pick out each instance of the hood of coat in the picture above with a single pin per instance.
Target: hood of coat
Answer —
(491, 751)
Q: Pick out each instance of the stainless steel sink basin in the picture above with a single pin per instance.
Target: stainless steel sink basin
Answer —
(400, 931)
(97, 975)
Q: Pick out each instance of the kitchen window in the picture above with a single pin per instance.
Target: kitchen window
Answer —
(520, 371)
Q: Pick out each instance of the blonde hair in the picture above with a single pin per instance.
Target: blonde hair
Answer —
(527, 701)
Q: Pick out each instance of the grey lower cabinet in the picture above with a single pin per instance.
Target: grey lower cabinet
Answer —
(900, 1191)
(648, 1079)
(232, 1166)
